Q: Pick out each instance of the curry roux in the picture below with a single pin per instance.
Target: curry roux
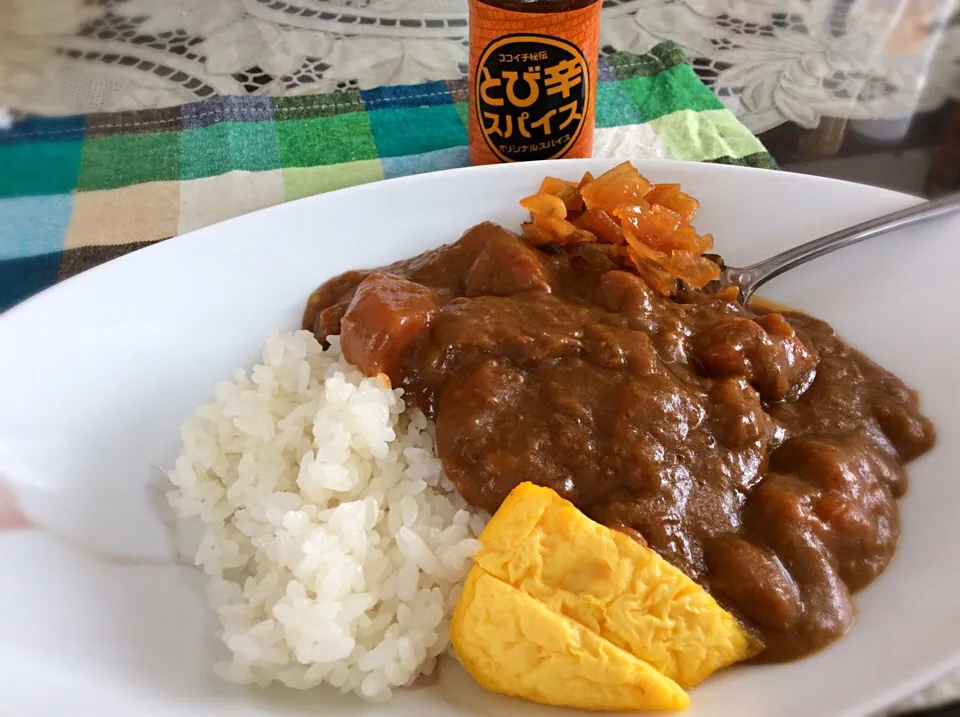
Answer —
(754, 450)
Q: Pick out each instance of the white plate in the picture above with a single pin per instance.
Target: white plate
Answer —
(96, 375)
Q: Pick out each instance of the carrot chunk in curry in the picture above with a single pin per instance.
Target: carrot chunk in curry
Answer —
(383, 321)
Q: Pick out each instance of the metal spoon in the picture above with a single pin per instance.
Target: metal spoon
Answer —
(747, 279)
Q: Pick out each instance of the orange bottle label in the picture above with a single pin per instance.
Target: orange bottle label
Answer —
(533, 80)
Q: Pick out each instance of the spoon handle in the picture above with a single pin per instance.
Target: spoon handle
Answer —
(751, 277)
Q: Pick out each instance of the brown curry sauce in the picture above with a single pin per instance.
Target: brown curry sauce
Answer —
(754, 450)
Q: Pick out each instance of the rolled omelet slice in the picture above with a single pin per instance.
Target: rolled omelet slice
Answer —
(605, 581)
(512, 644)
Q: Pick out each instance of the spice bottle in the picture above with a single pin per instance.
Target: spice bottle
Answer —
(533, 79)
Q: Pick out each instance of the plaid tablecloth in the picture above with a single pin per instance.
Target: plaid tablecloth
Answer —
(77, 191)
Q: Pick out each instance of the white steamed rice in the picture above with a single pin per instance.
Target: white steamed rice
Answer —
(335, 546)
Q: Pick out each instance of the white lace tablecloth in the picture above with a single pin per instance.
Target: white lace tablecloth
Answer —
(770, 61)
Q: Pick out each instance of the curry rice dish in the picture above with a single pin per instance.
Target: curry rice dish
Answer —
(677, 482)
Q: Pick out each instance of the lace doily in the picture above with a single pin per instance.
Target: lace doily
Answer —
(770, 61)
